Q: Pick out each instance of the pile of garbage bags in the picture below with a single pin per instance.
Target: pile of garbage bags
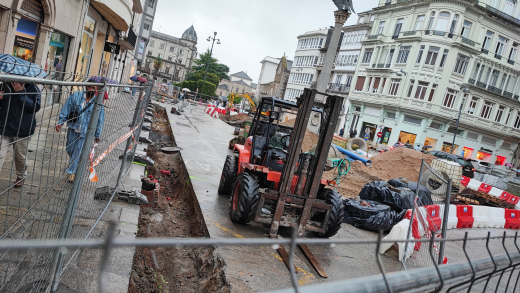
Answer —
(384, 204)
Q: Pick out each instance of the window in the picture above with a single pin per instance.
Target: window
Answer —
(509, 7)
(181, 52)
(361, 19)
(500, 112)
(430, 22)
(517, 121)
(509, 115)
(359, 84)
(486, 110)
(160, 55)
(465, 29)
(472, 105)
(172, 49)
(381, 28)
(390, 115)
(421, 90)
(375, 88)
(151, 3)
(454, 23)
(372, 17)
(152, 43)
(419, 56)
(410, 88)
(461, 64)
(402, 57)
(398, 26)
(432, 92)
(512, 54)
(338, 79)
(149, 52)
(394, 86)
(314, 43)
(369, 83)
(419, 22)
(390, 56)
(167, 70)
(170, 58)
(161, 46)
(502, 42)
(495, 3)
(412, 119)
(442, 21)
(443, 59)
(494, 78)
(147, 25)
(449, 98)
(431, 58)
(487, 41)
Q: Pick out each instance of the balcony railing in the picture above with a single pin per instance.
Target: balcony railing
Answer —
(372, 37)
(493, 89)
(511, 62)
(484, 51)
(339, 87)
(409, 33)
(498, 56)
(468, 41)
(439, 33)
(471, 80)
(508, 94)
(381, 65)
(481, 84)
(503, 15)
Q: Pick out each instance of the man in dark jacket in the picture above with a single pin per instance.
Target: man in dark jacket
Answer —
(341, 132)
(18, 105)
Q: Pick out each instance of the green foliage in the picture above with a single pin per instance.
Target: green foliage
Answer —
(221, 70)
(199, 75)
(157, 63)
(237, 99)
(207, 89)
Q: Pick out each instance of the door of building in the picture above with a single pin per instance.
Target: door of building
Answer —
(86, 50)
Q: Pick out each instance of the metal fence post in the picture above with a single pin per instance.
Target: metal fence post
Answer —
(413, 213)
(445, 221)
(78, 182)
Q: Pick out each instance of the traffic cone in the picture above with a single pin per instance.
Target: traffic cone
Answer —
(163, 100)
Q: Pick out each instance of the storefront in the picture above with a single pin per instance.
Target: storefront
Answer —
(446, 147)
(430, 143)
(484, 155)
(407, 137)
(368, 131)
(86, 50)
(25, 39)
(386, 135)
(466, 152)
(500, 160)
(57, 55)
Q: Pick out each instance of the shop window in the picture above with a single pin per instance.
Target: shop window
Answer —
(25, 39)
(407, 137)
(57, 55)
(85, 51)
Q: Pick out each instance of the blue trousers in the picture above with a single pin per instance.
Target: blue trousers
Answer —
(74, 146)
(134, 90)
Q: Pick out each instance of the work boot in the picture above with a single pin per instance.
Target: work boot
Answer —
(71, 177)
(19, 182)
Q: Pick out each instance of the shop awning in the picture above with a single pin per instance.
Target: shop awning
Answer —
(117, 12)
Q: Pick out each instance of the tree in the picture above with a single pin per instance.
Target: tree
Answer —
(199, 75)
(221, 70)
(157, 63)
(237, 99)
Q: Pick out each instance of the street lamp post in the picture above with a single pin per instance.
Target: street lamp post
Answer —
(465, 90)
(209, 59)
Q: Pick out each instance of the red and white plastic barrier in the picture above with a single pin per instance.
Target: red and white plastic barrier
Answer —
(491, 190)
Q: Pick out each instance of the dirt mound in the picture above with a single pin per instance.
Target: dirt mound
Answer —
(392, 164)
(310, 138)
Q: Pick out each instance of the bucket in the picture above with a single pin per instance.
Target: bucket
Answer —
(247, 127)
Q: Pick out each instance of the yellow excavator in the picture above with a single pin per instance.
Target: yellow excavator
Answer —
(248, 99)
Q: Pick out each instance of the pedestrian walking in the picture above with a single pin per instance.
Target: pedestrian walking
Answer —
(341, 132)
(18, 105)
(77, 112)
(353, 133)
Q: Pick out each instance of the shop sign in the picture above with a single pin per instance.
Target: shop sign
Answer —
(112, 48)
(23, 42)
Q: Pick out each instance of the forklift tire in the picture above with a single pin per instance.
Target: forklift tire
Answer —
(336, 214)
(243, 202)
(229, 174)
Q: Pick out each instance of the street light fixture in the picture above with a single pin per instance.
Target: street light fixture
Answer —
(209, 59)
(400, 73)
(465, 90)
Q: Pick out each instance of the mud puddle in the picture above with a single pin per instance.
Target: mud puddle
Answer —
(178, 215)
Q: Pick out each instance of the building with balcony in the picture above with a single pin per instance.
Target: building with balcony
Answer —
(145, 30)
(177, 53)
(418, 57)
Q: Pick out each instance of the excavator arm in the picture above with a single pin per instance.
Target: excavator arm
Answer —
(246, 96)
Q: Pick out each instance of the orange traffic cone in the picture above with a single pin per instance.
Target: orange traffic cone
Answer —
(163, 100)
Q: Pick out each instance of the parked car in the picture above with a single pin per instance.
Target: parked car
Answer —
(400, 144)
(481, 166)
(468, 169)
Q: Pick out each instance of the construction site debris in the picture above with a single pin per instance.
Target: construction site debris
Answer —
(371, 215)
(424, 194)
(474, 197)
(397, 199)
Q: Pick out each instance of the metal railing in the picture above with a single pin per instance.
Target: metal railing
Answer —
(47, 154)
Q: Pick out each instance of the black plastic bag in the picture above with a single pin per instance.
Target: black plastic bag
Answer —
(366, 217)
(424, 194)
(397, 201)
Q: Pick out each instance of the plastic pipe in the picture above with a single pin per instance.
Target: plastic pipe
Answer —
(353, 156)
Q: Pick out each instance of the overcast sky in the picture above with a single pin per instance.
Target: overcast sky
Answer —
(249, 30)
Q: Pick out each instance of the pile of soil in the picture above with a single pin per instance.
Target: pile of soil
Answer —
(399, 162)
(173, 269)
(310, 138)
(239, 117)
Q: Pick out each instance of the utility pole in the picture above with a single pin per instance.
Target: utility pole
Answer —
(209, 59)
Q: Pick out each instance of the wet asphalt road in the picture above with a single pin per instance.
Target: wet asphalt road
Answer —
(204, 141)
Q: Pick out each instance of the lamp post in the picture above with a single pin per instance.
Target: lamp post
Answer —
(465, 90)
(209, 59)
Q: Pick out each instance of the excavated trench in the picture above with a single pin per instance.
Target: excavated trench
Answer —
(178, 215)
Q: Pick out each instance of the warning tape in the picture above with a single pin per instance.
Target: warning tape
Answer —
(93, 176)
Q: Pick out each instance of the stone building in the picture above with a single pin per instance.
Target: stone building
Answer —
(279, 84)
(238, 82)
(178, 55)
(415, 63)
(267, 72)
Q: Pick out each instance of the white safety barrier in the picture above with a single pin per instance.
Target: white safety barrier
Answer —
(422, 220)
(474, 184)
(399, 231)
(452, 216)
(495, 192)
(496, 217)
(481, 216)
(517, 206)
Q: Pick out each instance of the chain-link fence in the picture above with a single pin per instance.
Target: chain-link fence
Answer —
(60, 141)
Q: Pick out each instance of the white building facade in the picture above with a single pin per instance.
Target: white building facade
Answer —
(418, 57)
(267, 73)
